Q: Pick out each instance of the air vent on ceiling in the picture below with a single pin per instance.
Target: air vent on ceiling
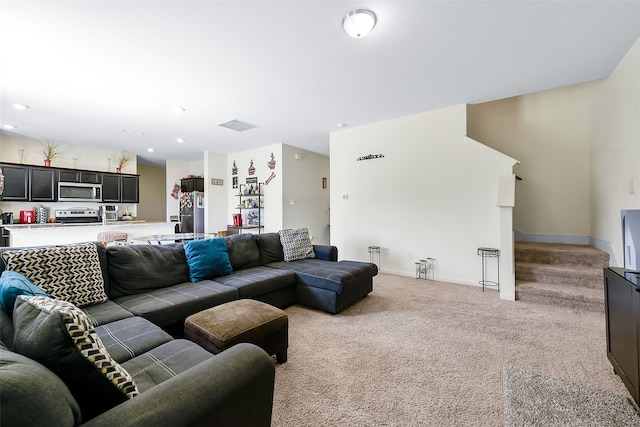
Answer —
(237, 125)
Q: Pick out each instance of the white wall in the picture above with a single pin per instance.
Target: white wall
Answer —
(215, 210)
(434, 194)
(615, 154)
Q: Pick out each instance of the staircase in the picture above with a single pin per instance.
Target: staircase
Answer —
(565, 275)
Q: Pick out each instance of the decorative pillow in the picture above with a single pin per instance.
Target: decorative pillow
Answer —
(69, 272)
(207, 258)
(13, 284)
(62, 338)
(296, 244)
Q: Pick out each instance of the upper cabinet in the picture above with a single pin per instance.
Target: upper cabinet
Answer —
(44, 184)
(40, 184)
(187, 185)
(16, 182)
(120, 188)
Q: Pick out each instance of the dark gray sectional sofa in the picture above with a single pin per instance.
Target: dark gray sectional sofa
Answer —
(149, 297)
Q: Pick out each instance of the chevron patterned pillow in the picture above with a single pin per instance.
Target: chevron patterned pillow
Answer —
(68, 272)
(61, 337)
(296, 244)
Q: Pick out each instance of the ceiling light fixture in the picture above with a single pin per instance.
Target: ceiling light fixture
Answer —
(178, 110)
(20, 106)
(150, 150)
(180, 140)
(9, 127)
(358, 23)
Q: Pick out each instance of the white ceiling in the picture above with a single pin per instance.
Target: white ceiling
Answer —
(89, 70)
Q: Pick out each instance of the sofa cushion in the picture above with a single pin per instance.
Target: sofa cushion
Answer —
(334, 276)
(13, 284)
(106, 312)
(135, 269)
(207, 258)
(243, 251)
(256, 281)
(62, 338)
(165, 362)
(127, 338)
(173, 304)
(68, 272)
(296, 244)
(270, 248)
(32, 395)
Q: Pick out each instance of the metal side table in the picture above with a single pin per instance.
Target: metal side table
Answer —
(486, 253)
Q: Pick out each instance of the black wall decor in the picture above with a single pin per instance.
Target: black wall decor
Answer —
(370, 156)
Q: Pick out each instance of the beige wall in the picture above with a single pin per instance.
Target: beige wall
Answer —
(549, 132)
(152, 205)
(615, 153)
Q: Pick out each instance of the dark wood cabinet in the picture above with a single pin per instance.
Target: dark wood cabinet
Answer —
(16, 182)
(622, 312)
(120, 188)
(44, 184)
(188, 185)
(73, 175)
(130, 189)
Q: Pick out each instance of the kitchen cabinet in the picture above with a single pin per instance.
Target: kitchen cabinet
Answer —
(187, 185)
(120, 188)
(16, 182)
(44, 184)
(622, 314)
(74, 175)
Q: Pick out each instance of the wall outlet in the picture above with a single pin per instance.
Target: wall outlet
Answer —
(345, 197)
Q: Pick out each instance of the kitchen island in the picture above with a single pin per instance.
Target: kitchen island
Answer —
(21, 235)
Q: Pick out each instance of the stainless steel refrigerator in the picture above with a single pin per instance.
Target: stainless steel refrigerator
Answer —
(192, 212)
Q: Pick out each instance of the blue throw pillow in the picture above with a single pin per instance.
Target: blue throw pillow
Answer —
(207, 259)
(13, 284)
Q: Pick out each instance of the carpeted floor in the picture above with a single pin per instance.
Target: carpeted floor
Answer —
(423, 353)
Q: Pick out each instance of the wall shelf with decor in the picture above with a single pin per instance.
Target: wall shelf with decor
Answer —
(250, 208)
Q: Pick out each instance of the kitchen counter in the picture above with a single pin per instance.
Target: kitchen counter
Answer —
(21, 235)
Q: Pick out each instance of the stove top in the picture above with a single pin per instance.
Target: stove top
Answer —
(76, 215)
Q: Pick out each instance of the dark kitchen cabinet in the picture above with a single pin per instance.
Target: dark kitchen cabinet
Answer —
(188, 185)
(622, 313)
(16, 182)
(120, 188)
(73, 175)
(44, 184)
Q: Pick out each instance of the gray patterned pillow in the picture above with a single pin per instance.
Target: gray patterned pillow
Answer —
(296, 244)
(68, 272)
(62, 338)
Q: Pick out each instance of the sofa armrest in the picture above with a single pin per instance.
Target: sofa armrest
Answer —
(234, 388)
(326, 252)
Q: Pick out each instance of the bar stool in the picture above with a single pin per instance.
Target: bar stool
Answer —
(489, 253)
(107, 237)
(373, 252)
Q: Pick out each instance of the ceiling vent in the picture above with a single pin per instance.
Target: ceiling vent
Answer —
(237, 125)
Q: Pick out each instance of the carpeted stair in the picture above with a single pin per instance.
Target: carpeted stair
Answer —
(566, 275)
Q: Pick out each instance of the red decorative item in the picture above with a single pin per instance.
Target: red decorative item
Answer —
(252, 170)
(47, 162)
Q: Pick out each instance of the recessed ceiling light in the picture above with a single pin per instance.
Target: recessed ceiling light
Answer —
(178, 110)
(151, 150)
(20, 106)
(9, 127)
(180, 140)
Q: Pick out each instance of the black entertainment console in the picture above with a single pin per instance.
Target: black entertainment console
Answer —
(622, 310)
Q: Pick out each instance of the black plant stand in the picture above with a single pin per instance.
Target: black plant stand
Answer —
(489, 253)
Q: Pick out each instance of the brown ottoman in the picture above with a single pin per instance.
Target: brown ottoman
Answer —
(245, 320)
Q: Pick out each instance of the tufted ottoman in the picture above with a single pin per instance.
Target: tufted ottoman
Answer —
(245, 320)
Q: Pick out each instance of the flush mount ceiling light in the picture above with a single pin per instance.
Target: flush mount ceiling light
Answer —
(358, 23)
(8, 127)
(20, 106)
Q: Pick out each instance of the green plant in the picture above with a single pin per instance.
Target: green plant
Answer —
(50, 150)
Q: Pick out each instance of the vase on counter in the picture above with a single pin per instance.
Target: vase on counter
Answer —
(47, 162)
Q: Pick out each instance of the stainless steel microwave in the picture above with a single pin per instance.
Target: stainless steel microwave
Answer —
(79, 192)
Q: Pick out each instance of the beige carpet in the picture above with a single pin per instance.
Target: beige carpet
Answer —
(422, 353)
